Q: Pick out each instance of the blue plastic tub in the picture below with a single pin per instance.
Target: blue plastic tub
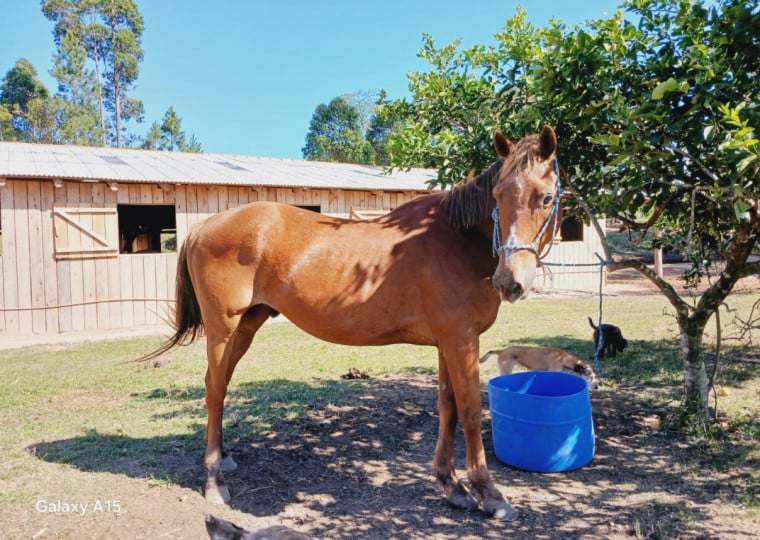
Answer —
(541, 420)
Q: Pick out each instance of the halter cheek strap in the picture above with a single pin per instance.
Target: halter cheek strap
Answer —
(498, 247)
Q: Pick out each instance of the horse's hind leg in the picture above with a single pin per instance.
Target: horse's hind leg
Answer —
(224, 352)
(240, 343)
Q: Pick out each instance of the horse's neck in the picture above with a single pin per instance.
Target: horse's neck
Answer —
(485, 227)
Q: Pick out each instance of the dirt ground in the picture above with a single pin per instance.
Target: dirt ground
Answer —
(362, 470)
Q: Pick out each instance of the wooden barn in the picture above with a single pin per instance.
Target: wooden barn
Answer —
(89, 236)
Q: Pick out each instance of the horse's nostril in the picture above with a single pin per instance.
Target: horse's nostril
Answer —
(515, 290)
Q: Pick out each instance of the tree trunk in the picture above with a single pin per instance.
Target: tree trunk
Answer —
(100, 99)
(696, 397)
(115, 80)
(96, 59)
(692, 320)
(117, 109)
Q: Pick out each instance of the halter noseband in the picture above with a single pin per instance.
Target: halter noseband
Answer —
(498, 247)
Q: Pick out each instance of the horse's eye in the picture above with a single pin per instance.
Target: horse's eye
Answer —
(547, 200)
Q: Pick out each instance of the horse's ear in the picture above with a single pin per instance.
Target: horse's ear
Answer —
(502, 145)
(548, 142)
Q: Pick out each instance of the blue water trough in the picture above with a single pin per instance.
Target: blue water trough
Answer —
(541, 420)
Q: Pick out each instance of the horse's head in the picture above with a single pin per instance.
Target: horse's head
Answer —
(527, 209)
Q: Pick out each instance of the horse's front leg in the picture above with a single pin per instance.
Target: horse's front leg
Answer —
(463, 369)
(443, 463)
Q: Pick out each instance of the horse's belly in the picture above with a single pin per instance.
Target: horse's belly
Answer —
(363, 323)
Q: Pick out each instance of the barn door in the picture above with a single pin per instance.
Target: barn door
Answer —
(85, 232)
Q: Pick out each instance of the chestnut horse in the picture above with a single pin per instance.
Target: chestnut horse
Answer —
(424, 274)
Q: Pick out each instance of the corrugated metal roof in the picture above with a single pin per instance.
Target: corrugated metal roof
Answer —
(22, 160)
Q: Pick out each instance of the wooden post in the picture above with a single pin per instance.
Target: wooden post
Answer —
(658, 262)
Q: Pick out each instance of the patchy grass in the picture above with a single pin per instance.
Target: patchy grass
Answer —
(89, 408)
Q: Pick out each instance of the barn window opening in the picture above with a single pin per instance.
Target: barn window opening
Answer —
(147, 228)
(571, 229)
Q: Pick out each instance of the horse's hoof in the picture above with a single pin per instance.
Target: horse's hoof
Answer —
(501, 510)
(228, 464)
(460, 497)
(217, 494)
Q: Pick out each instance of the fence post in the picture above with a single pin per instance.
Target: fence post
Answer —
(658, 262)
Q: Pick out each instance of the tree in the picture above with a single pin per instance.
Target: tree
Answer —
(40, 124)
(171, 127)
(77, 98)
(6, 129)
(193, 145)
(28, 101)
(382, 126)
(658, 124)
(335, 135)
(110, 31)
(152, 140)
(169, 135)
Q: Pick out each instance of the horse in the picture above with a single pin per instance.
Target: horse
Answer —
(434, 271)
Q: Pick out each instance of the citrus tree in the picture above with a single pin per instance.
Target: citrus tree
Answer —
(657, 112)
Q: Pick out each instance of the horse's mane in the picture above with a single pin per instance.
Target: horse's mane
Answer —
(469, 202)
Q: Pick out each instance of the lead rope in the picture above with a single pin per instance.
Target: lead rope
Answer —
(600, 345)
(601, 264)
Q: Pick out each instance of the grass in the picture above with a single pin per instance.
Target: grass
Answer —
(88, 406)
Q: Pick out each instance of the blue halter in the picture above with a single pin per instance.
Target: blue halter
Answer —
(498, 247)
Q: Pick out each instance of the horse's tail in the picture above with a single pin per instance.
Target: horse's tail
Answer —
(591, 322)
(187, 322)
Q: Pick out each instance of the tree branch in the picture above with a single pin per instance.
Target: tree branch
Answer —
(701, 165)
(658, 211)
(666, 288)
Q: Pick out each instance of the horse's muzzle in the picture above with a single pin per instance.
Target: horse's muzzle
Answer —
(509, 289)
(514, 277)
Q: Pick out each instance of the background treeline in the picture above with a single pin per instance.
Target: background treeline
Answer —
(96, 65)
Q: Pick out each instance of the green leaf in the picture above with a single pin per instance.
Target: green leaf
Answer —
(740, 208)
(671, 85)
(745, 163)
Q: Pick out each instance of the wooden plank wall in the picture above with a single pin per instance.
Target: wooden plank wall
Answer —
(584, 277)
(43, 295)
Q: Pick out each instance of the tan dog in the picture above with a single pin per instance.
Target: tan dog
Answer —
(542, 359)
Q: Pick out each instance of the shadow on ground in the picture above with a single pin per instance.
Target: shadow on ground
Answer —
(355, 462)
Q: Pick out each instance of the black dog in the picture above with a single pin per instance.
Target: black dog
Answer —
(613, 341)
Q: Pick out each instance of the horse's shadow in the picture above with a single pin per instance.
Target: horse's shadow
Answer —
(336, 447)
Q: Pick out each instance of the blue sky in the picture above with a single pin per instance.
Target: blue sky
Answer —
(246, 75)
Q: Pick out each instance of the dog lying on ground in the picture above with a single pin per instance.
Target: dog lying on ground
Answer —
(220, 529)
(614, 342)
(542, 359)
